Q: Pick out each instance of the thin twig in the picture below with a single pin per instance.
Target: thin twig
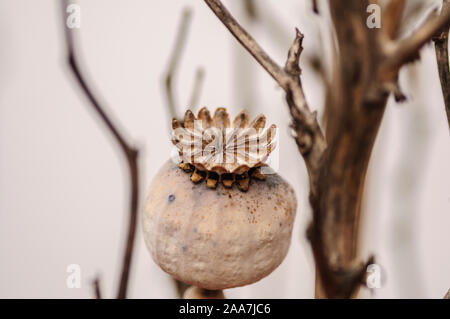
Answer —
(250, 9)
(175, 59)
(97, 290)
(181, 287)
(406, 50)
(441, 46)
(130, 153)
(198, 82)
(447, 295)
(249, 43)
(315, 7)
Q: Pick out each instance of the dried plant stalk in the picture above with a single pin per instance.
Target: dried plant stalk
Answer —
(365, 72)
(441, 47)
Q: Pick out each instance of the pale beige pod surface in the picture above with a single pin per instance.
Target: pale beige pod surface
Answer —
(217, 238)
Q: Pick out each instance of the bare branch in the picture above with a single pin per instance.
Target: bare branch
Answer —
(363, 72)
(406, 50)
(249, 43)
(181, 287)
(292, 63)
(307, 133)
(200, 293)
(174, 60)
(97, 290)
(315, 7)
(250, 8)
(392, 17)
(195, 94)
(441, 47)
(173, 67)
(130, 153)
(447, 295)
(352, 125)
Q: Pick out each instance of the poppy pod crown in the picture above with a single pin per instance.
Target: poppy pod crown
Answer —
(214, 149)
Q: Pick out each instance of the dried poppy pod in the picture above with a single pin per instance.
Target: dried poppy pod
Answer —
(222, 237)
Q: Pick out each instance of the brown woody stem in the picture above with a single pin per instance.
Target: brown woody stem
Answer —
(441, 47)
(366, 68)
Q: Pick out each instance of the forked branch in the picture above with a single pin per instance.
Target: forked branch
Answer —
(406, 50)
(308, 135)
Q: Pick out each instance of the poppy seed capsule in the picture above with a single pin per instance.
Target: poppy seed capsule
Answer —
(217, 239)
(222, 237)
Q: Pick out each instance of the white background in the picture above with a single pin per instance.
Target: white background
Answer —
(63, 182)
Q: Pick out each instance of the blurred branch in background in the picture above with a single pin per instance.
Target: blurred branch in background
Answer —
(447, 295)
(244, 81)
(130, 153)
(255, 15)
(97, 290)
(317, 61)
(172, 70)
(315, 7)
(441, 46)
(196, 90)
(267, 18)
(250, 9)
(174, 60)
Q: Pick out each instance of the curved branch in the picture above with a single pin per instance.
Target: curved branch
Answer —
(128, 151)
(198, 82)
(392, 17)
(174, 60)
(406, 50)
(249, 43)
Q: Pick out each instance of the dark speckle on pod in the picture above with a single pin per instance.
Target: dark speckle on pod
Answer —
(171, 198)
